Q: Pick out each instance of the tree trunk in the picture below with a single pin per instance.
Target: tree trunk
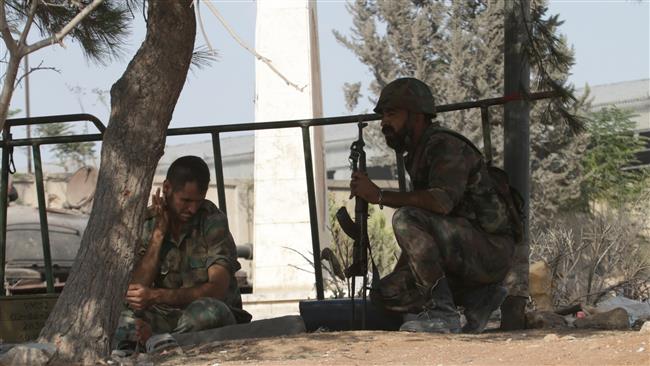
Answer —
(8, 86)
(142, 101)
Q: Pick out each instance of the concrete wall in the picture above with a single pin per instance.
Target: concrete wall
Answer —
(633, 95)
(239, 198)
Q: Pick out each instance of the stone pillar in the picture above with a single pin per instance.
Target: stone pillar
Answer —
(286, 34)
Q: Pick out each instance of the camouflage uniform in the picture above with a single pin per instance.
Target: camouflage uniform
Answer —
(472, 246)
(203, 242)
(517, 280)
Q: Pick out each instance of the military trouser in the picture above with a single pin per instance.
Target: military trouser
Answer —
(434, 246)
(201, 314)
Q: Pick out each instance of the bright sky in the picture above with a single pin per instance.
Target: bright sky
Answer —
(611, 41)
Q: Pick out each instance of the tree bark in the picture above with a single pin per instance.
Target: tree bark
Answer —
(11, 73)
(142, 102)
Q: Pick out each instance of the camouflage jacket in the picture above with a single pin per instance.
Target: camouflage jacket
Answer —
(454, 173)
(204, 241)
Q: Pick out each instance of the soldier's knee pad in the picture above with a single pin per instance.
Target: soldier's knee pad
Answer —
(206, 313)
(406, 216)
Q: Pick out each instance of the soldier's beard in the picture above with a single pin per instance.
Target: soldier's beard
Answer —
(395, 140)
(173, 212)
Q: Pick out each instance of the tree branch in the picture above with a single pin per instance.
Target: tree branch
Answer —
(53, 5)
(28, 23)
(32, 69)
(311, 263)
(197, 6)
(300, 269)
(249, 49)
(9, 40)
(601, 292)
(66, 29)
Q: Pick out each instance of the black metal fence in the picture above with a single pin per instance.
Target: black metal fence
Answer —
(7, 144)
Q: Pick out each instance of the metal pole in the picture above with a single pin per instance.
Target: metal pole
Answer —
(45, 233)
(517, 148)
(77, 117)
(313, 216)
(353, 321)
(218, 171)
(28, 114)
(4, 182)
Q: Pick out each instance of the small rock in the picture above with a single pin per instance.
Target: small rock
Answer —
(508, 340)
(117, 359)
(143, 359)
(645, 328)
(641, 349)
(551, 338)
(613, 319)
(568, 338)
(29, 354)
(5, 347)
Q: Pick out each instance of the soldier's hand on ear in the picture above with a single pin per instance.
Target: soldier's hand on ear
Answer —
(161, 213)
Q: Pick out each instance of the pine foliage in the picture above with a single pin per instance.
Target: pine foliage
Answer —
(75, 154)
(101, 34)
(612, 147)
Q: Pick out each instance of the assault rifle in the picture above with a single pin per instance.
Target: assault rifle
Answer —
(357, 229)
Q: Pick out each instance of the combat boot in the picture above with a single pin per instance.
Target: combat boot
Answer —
(439, 314)
(479, 304)
(513, 313)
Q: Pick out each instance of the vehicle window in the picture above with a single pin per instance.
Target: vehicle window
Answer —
(25, 244)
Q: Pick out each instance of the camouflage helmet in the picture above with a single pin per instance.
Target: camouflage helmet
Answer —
(407, 93)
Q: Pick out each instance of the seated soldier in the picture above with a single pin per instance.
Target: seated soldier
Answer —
(185, 278)
(453, 228)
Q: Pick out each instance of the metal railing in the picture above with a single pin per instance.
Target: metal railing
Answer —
(7, 144)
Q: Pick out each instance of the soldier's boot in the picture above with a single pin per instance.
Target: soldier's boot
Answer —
(513, 313)
(479, 305)
(439, 314)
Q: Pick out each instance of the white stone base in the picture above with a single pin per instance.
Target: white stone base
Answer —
(264, 307)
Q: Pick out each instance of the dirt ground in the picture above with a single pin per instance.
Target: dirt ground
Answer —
(531, 347)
